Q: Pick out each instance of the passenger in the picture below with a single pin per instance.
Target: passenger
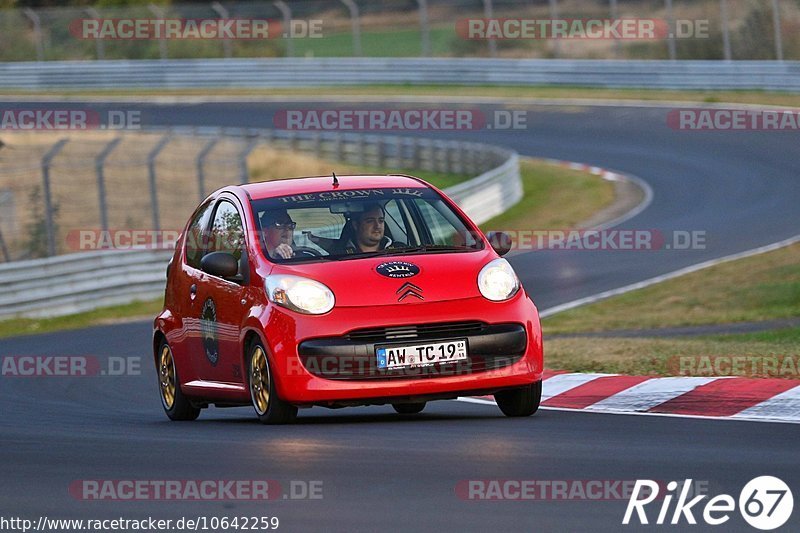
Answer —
(278, 229)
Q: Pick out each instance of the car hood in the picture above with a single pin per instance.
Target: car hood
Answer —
(407, 279)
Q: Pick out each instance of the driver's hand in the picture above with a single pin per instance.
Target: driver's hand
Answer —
(284, 250)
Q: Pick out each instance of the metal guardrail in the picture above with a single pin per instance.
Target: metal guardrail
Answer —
(80, 282)
(294, 72)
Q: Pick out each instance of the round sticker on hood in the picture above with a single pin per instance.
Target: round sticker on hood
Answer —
(397, 269)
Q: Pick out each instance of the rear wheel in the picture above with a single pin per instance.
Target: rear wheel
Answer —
(523, 401)
(270, 408)
(409, 408)
(176, 405)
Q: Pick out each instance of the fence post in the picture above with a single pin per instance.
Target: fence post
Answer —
(615, 16)
(355, 25)
(151, 170)
(488, 13)
(244, 175)
(47, 160)
(158, 11)
(37, 30)
(726, 38)
(554, 16)
(98, 43)
(776, 22)
(425, 28)
(223, 13)
(99, 163)
(201, 161)
(673, 54)
(3, 248)
(286, 13)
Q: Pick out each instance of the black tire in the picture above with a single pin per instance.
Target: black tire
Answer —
(175, 404)
(269, 408)
(523, 401)
(409, 408)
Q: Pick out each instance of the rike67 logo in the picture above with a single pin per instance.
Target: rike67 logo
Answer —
(765, 503)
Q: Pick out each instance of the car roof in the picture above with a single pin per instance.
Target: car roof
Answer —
(283, 187)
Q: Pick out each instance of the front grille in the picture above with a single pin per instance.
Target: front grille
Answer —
(352, 356)
(422, 331)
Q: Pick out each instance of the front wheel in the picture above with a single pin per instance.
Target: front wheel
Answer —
(523, 401)
(270, 408)
(176, 405)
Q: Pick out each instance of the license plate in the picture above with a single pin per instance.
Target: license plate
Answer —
(409, 355)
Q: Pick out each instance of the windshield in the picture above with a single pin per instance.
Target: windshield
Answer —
(340, 225)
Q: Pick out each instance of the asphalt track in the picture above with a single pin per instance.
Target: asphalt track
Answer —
(382, 471)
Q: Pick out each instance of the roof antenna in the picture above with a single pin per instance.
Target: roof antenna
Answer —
(335, 180)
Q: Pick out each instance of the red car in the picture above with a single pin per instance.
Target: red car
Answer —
(357, 290)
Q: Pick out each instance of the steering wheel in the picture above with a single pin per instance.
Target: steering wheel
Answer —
(307, 250)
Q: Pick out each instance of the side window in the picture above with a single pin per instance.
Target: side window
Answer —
(227, 233)
(195, 241)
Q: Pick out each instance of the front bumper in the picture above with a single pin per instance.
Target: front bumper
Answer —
(318, 360)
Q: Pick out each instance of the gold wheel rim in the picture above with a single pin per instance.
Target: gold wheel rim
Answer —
(259, 380)
(167, 377)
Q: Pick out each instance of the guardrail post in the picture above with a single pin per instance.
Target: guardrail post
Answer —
(673, 55)
(286, 13)
(201, 161)
(554, 16)
(98, 43)
(99, 163)
(425, 28)
(151, 171)
(37, 31)
(355, 25)
(726, 38)
(362, 150)
(47, 160)
(615, 16)
(416, 154)
(448, 163)
(158, 11)
(244, 175)
(776, 22)
(223, 13)
(339, 154)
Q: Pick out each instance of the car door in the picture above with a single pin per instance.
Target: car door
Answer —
(218, 302)
(184, 285)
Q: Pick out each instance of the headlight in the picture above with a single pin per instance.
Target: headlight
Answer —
(299, 294)
(497, 281)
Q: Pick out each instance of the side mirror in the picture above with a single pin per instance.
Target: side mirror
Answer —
(220, 264)
(500, 241)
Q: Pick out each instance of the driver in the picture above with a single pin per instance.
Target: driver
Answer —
(369, 231)
(278, 229)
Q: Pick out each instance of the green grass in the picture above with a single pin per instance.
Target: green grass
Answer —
(555, 198)
(400, 43)
(448, 91)
(761, 287)
(664, 357)
(757, 288)
(133, 311)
